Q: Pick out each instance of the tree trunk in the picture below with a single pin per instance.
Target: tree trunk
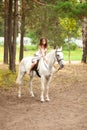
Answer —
(6, 33)
(12, 20)
(22, 32)
(84, 38)
(15, 25)
(21, 47)
(10, 33)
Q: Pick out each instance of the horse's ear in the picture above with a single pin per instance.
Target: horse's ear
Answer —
(56, 47)
(61, 48)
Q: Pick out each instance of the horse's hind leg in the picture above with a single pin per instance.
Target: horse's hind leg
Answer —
(19, 82)
(30, 86)
(19, 91)
(42, 88)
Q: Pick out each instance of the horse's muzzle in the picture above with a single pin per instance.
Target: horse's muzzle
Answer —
(62, 66)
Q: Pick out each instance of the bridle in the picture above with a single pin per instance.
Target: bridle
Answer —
(58, 60)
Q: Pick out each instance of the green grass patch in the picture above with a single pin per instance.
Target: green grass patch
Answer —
(1, 53)
(30, 50)
(7, 78)
(74, 55)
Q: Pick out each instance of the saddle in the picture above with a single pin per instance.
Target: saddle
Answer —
(35, 68)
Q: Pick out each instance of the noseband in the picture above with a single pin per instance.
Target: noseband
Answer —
(58, 60)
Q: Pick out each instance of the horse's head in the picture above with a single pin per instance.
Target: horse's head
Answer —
(59, 57)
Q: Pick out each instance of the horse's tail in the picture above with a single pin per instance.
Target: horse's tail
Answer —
(18, 81)
(20, 76)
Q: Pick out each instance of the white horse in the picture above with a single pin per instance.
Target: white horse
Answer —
(45, 70)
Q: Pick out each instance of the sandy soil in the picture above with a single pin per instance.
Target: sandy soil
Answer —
(67, 109)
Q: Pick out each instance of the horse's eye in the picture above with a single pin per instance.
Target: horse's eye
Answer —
(58, 55)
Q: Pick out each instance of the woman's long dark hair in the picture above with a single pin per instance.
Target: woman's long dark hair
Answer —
(45, 45)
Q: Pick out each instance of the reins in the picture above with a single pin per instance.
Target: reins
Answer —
(57, 70)
(58, 60)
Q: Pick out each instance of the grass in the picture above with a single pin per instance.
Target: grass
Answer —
(74, 55)
(30, 50)
(1, 53)
(7, 78)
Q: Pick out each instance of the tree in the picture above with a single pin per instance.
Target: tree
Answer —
(84, 38)
(11, 32)
(41, 17)
(77, 11)
(70, 29)
(10, 5)
(6, 33)
(15, 27)
(1, 18)
(44, 21)
(22, 29)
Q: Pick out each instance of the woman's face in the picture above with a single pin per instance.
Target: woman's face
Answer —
(44, 41)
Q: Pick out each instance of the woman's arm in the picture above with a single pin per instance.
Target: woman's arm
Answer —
(43, 50)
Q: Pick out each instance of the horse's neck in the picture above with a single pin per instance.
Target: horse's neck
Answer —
(51, 58)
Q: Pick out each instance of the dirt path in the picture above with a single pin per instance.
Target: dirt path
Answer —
(67, 109)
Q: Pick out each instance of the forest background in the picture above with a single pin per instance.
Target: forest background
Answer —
(56, 20)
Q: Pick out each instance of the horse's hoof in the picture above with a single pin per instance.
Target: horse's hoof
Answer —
(47, 99)
(42, 100)
(32, 96)
(19, 96)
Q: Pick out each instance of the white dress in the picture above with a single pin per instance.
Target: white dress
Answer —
(39, 54)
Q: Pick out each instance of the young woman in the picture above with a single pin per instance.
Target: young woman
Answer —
(42, 50)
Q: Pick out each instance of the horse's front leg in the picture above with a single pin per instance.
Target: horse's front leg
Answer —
(42, 88)
(30, 85)
(47, 88)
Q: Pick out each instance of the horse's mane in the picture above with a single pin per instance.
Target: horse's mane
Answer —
(49, 53)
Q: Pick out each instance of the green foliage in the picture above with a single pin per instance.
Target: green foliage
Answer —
(7, 78)
(72, 47)
(70, 27)
(71, 9)
(80, 10)
(30, 48)
(43, 20)
(32, 35)
(1, 19)
(64, 9)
